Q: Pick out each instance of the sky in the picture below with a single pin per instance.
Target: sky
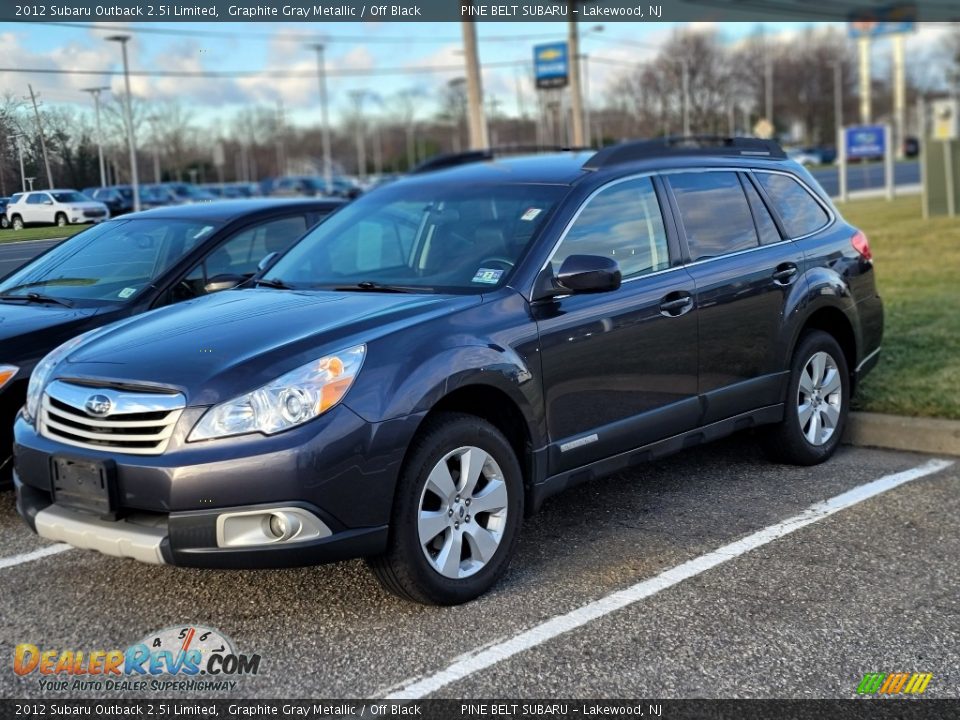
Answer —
(385, 50)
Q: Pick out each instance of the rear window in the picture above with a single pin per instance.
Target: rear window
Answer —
(800, 213)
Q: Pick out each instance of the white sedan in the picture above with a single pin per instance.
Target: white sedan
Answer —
(54, 207)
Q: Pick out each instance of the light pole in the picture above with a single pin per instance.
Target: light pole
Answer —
(588, 133)
(837, 97)
(324, 117)
(358, 96)
(156, 148)
(475, 116)
(95, 92)
(128, 111)
(23, 178)
(685, 67)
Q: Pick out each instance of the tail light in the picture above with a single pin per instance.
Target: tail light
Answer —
(861, 245)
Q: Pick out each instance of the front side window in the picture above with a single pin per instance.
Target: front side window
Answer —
(716, 217)
(240, 254)
(110, 262)
(801, 214)
(622, 222)
(37, 199)
(422, 236)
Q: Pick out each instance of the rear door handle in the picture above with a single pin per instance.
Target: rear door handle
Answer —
(676, 303)
(785, 273)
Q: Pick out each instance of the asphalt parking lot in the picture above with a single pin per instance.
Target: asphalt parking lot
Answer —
(15, 254)
(873, 587)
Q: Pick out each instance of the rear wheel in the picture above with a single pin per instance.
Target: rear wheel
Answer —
(4, 223)
(17, 222)
(818, 399)
(456, 515)
(61, 220)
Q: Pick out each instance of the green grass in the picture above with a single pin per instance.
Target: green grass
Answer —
(39, 233)
(917, 263)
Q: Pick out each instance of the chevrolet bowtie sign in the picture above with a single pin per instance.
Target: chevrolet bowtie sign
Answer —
(551, 65)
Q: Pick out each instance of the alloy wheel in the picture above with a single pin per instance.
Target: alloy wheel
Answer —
(819, 398)
(463, 512)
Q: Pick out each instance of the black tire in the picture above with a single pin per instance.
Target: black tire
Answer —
(61, 220)
(4, 223)
(17, 222)
(786, 441)
(404, 569)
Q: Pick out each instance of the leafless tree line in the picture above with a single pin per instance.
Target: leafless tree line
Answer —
(727, 92)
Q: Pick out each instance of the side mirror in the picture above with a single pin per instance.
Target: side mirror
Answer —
(267, 261)
(223, 282)
(580, 274)
(48, 202)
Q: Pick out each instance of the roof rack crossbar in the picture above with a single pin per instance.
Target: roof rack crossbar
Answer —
(448, 160)
(684, 145)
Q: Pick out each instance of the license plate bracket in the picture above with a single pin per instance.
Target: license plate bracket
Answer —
(87, 485)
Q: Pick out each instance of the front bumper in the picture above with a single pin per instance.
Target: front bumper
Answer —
(339, 468)
(187, 539)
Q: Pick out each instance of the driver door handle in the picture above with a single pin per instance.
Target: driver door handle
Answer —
(785, 273)
(676, 303)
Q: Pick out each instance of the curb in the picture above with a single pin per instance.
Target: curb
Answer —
(895, 432)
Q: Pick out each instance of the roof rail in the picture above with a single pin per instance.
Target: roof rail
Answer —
(684, 145)
(448, 160)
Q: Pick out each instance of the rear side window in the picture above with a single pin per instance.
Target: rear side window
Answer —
(716, 217)
(622, 222)
(800, 213)
(765, 225)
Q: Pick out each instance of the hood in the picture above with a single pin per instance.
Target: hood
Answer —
(222, 345)
(29, 331)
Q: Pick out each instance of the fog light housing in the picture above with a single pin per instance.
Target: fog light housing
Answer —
(269, 526)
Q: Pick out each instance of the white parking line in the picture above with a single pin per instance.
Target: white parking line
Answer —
(35, 555)
(560, 624)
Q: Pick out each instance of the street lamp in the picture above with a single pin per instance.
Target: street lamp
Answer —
(322, 77)
(588, 131)
(95, 92)
(128, 111)
(23, 179)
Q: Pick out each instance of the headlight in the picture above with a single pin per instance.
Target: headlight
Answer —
(44, 369)
(7, 373)
(288, 401)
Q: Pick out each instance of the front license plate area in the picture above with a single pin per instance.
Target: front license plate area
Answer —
(84, 485)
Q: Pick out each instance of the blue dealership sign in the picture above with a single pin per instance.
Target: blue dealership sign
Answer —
(551, 65)
(865, 141)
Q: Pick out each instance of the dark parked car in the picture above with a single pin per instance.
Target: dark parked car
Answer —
(4, 221)
(127, 266)
(117, 202)
(427, 366)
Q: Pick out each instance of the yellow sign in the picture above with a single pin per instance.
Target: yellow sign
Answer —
(549, 54)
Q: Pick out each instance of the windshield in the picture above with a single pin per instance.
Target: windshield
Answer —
(110, 262)
(445, 238)
(69, 197)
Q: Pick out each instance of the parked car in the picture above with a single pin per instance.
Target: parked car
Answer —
(127, 266)
(188, 192)
(54, 207)
(4, 221)
(804, 156)
(298, 186)
(440, 356)
(117, 203)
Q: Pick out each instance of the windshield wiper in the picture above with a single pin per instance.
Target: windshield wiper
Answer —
(370, 286)
(273, 283)
(54, 281)
(33, 297)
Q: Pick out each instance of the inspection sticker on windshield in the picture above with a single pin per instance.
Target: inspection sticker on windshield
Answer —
(487, 276)
(531, 214)
(126, 292)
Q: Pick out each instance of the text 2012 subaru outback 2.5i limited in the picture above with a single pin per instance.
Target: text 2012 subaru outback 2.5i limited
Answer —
(424, 368)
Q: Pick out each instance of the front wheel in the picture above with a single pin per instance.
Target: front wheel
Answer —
(456, 515)
(17, 222)
(818, 400)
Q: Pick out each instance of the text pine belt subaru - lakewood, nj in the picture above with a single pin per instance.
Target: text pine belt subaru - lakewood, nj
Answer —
(430, 363)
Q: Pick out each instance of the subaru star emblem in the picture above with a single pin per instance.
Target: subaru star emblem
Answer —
(98, 405)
